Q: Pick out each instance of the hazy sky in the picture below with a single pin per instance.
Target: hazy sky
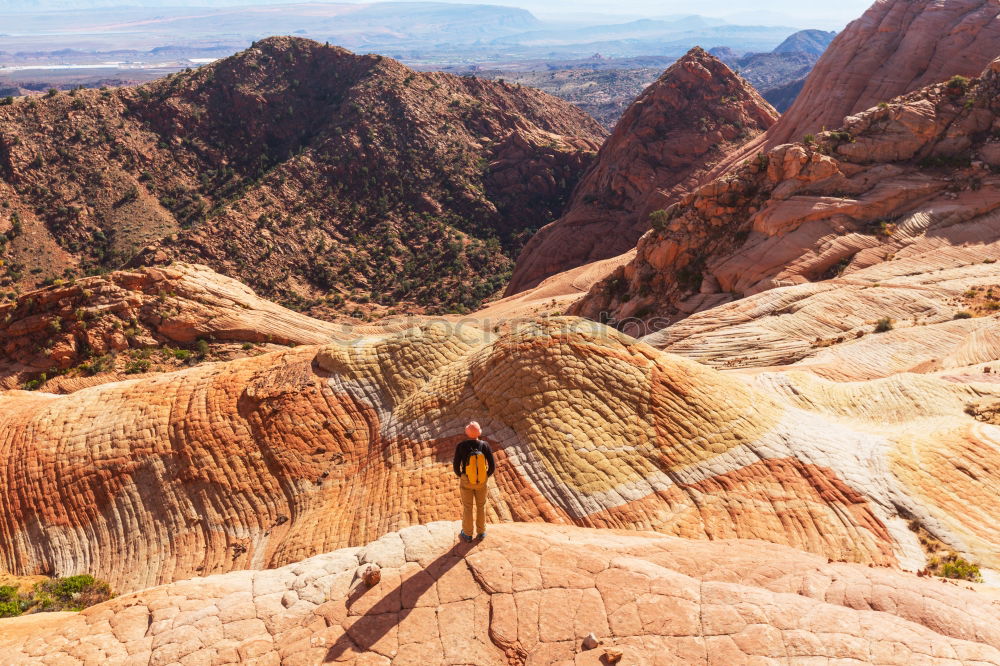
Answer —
(795, 13)
(831, 15)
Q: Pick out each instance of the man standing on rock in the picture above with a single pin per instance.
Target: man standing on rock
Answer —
(474, 466)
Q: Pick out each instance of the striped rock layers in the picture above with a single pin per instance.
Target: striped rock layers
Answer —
(264, 461)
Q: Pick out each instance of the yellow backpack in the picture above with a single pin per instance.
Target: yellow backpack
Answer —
(475, 469)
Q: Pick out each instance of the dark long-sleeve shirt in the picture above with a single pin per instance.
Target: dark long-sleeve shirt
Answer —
(466, 448)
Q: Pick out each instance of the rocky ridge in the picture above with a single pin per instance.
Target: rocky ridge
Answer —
(904, 180)
(666, 141)
(329, 181)
(896, 47)
(98, 329)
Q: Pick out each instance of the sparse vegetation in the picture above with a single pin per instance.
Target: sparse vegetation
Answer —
(658, 219)
(951, 565)
(883, 325)
(72, 593)
(958, 85)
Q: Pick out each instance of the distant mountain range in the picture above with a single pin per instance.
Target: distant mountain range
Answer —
(417, 32)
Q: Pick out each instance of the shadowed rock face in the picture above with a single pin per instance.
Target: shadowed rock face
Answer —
(531, 594)
(264, 461)
(910, 180)
(667, 139)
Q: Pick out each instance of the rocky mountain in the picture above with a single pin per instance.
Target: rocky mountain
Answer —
(910, 183)
(532, 594)
(263, 461)
(896, 47)
(326, 180)
(669, 137)
(810, 42)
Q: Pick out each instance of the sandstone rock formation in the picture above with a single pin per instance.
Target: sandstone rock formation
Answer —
(331, 181)
(896, 47)
(120, 318)
(263, 461)
(666, 141)
(531, 594)
(941, 305)
(910, 181)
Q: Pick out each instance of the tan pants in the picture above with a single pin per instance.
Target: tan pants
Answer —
(470, 496)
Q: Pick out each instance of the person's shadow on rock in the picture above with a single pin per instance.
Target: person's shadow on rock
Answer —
(362, 632)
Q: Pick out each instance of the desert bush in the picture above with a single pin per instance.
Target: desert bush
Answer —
(72, 593)
(953, 566)
(958, 84)
(658, 219)
(882, 325)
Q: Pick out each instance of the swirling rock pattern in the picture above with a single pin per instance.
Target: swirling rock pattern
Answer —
(264, 461)
(807, 326)
(529, 595)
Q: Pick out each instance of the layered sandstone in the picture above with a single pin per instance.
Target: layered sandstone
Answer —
(532, 594)
(121, 318)
(263, 461)
(909, 181)
(941, 305)
(669, 137)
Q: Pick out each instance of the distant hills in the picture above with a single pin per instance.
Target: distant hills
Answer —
(813, 42)
(416, 32)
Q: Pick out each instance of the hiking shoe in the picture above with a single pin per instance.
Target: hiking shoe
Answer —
(464, 537)
(482, 535)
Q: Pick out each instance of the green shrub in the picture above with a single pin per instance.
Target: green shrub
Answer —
(98, 364)
(953, 566)
(658, 219)
(72, 593)
(809, 139)
(137, 366)
(962, 315)
(882, 325)
(959, 84)
(201, 347)
(10, 609)
(182, 354)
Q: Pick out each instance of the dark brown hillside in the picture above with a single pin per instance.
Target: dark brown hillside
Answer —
(323, 179)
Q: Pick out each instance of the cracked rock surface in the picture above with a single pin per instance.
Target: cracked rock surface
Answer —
(530, 594)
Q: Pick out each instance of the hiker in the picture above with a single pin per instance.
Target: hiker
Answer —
(474, 466)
